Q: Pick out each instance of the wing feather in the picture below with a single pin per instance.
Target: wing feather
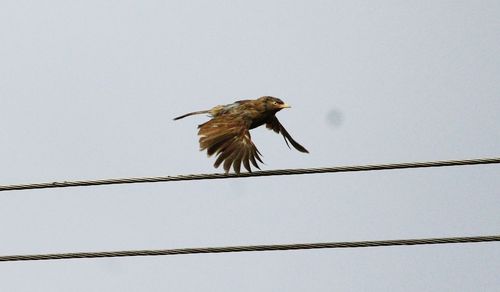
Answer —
(228, 138)
(245, 160)
(275, 125)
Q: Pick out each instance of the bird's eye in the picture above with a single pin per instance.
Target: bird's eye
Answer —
(275, 102)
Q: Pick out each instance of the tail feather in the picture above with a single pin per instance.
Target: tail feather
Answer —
(193, 113)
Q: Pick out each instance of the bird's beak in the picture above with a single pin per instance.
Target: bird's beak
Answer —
(285, 106)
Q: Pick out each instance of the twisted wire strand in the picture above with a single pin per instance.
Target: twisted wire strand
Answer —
(249, 248)
(296, 171)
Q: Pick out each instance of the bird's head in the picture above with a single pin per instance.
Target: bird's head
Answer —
(273, 103)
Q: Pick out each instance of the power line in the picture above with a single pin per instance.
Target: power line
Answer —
(297, 171)
(248, 248)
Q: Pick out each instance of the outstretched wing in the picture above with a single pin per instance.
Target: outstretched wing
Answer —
(275, 125)
(228, 137)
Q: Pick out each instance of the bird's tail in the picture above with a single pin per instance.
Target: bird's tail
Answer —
(193, 113)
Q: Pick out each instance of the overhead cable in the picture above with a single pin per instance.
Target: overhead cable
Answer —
(249, 248)
(297, 171)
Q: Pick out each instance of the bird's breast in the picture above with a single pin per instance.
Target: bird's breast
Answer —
(259, 120)
(256, 124)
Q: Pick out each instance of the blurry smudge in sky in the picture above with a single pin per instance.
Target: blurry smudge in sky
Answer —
(334, 118)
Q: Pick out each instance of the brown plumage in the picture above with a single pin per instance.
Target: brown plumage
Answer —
(227, 134)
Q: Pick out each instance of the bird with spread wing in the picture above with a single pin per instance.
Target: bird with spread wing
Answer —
(227, 134)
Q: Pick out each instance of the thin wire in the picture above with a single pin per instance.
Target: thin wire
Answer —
(297, 171)
(227, 249)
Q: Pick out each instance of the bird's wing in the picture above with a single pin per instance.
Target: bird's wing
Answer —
(275, 125)
(228, 137)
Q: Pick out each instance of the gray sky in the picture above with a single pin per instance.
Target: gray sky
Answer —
(88, 90)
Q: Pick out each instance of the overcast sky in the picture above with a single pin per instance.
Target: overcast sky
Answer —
(88, 90)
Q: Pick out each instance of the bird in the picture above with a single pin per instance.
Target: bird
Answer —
(227, 134)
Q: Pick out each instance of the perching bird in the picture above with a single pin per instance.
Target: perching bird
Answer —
(227, 134)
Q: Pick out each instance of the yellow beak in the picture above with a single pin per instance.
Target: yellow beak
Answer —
(285, 106)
